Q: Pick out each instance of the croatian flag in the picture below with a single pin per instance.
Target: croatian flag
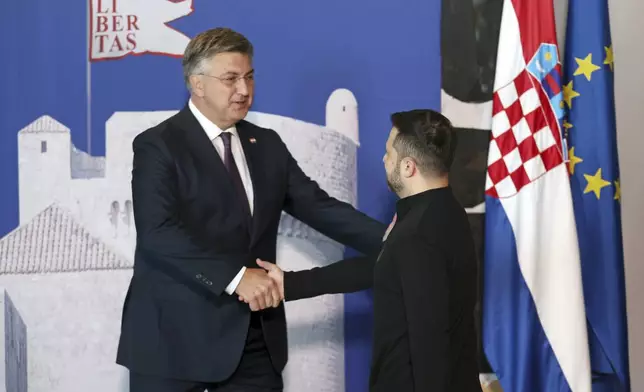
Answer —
(534, 323)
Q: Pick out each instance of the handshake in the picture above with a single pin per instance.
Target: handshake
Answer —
(263, 287)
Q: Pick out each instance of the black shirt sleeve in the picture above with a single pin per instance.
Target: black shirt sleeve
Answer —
(345, 276)
(423, 274)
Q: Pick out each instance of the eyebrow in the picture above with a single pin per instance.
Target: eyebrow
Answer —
(236, 73)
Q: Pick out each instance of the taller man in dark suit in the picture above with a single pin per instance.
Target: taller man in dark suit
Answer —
(208, 190)
(425, 278)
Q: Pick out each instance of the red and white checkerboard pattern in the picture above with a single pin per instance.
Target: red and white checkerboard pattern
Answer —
(524, 144)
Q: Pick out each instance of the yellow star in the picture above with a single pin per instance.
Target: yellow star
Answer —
(595, 183)
(573, 160)
(548, 56)
(618, 191)
(566, 124)
(609, 56)
(586, 66)
(569, 94)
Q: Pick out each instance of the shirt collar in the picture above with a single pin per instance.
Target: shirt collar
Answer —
(404, 205)
(212, 130)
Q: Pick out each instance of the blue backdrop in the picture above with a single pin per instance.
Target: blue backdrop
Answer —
(386, 52)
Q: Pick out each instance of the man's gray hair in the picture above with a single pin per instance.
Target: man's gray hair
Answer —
(209, 43)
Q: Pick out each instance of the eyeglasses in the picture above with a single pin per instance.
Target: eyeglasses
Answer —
(230, 81)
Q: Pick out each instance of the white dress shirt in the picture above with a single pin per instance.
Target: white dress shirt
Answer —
(213, 133)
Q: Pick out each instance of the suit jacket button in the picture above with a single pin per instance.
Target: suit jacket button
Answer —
(209, 283)
(199, 276)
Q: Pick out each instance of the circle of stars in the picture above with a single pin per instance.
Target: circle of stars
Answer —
(585, 67)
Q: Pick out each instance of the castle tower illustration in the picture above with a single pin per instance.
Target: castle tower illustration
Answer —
(61, 185)
(342, 114)
(44, 149)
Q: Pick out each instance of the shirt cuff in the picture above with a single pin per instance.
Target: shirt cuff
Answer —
(233, 285)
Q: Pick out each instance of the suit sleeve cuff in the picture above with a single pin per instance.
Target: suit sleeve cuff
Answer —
(230, 289)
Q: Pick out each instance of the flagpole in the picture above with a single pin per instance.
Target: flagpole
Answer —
(88, 79)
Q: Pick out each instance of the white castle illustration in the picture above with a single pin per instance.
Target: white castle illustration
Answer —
(68, 264)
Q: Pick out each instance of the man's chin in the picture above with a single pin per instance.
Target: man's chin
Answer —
(238, 114)
(392, 189)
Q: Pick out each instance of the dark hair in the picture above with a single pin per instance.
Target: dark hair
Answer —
(427, 137)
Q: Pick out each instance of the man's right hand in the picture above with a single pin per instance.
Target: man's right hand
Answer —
(275, 273)
(258, 290)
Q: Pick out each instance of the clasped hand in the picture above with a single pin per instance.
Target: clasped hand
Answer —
(263, 287)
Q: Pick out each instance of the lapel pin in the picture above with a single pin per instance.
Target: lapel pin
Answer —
(253, 140)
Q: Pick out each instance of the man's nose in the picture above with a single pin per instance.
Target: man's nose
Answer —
(242, 86)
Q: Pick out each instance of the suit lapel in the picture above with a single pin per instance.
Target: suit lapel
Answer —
(202, 146)
(249, 141)
(206, 154)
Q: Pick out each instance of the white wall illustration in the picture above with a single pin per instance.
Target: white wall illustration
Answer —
(68, 264)
(13, 375)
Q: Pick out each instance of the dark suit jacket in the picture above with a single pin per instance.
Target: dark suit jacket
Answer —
(424, 289)
(178, 322)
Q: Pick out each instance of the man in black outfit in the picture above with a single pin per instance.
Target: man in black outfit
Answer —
(425, 277)
(208, 189)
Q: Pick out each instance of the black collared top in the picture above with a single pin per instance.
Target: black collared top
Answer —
(424, 293)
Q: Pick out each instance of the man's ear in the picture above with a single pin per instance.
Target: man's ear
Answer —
(407, 167)
(197, 85)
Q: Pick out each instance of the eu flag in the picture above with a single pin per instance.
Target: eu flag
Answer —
(594, 169)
